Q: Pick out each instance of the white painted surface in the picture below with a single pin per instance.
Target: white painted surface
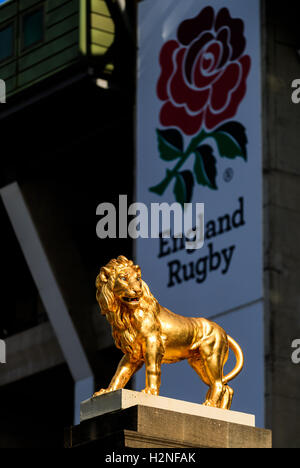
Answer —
(233, 298)
(122, 399)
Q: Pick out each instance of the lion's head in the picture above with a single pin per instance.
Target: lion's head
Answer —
(120, 290)
(119, 281)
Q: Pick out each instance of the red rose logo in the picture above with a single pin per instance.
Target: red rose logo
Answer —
(203, 73)
(202, 83)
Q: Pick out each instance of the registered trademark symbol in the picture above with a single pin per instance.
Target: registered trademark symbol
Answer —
(228, 174)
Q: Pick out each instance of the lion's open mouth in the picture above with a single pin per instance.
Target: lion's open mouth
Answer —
(131, 299)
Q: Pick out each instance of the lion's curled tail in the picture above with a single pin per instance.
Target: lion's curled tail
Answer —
(234, 346)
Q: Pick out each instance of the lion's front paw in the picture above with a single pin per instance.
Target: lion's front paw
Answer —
(101, 392)
(150, 391)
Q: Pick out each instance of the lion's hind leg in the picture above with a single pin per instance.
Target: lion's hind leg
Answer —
(218, 393)
(227, 397)
(209, 366)
(216, 389)
(198, 365)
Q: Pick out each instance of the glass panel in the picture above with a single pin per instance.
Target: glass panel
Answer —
(33, 28)
(6, 42)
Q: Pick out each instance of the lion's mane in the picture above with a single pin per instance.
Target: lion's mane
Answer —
(117, 313)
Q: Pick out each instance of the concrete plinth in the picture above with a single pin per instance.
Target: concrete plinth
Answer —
(131, 419)
(122, 399)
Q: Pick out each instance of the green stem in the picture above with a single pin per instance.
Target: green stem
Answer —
(162, 186)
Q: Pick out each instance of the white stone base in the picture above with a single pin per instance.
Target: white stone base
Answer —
(122, 399)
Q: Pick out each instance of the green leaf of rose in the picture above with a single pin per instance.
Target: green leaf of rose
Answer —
(228, 147)
(161, 187)
(170, 144)
(238, 133)
(205, 167)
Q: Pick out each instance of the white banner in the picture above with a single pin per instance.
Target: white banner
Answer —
(199, 141)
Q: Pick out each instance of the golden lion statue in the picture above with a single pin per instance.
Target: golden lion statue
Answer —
(150, 334)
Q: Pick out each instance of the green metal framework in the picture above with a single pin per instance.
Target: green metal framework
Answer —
(73, 32)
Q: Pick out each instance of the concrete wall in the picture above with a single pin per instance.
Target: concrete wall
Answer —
(281, 64)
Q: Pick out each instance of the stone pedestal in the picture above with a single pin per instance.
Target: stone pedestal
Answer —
(130, 419)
